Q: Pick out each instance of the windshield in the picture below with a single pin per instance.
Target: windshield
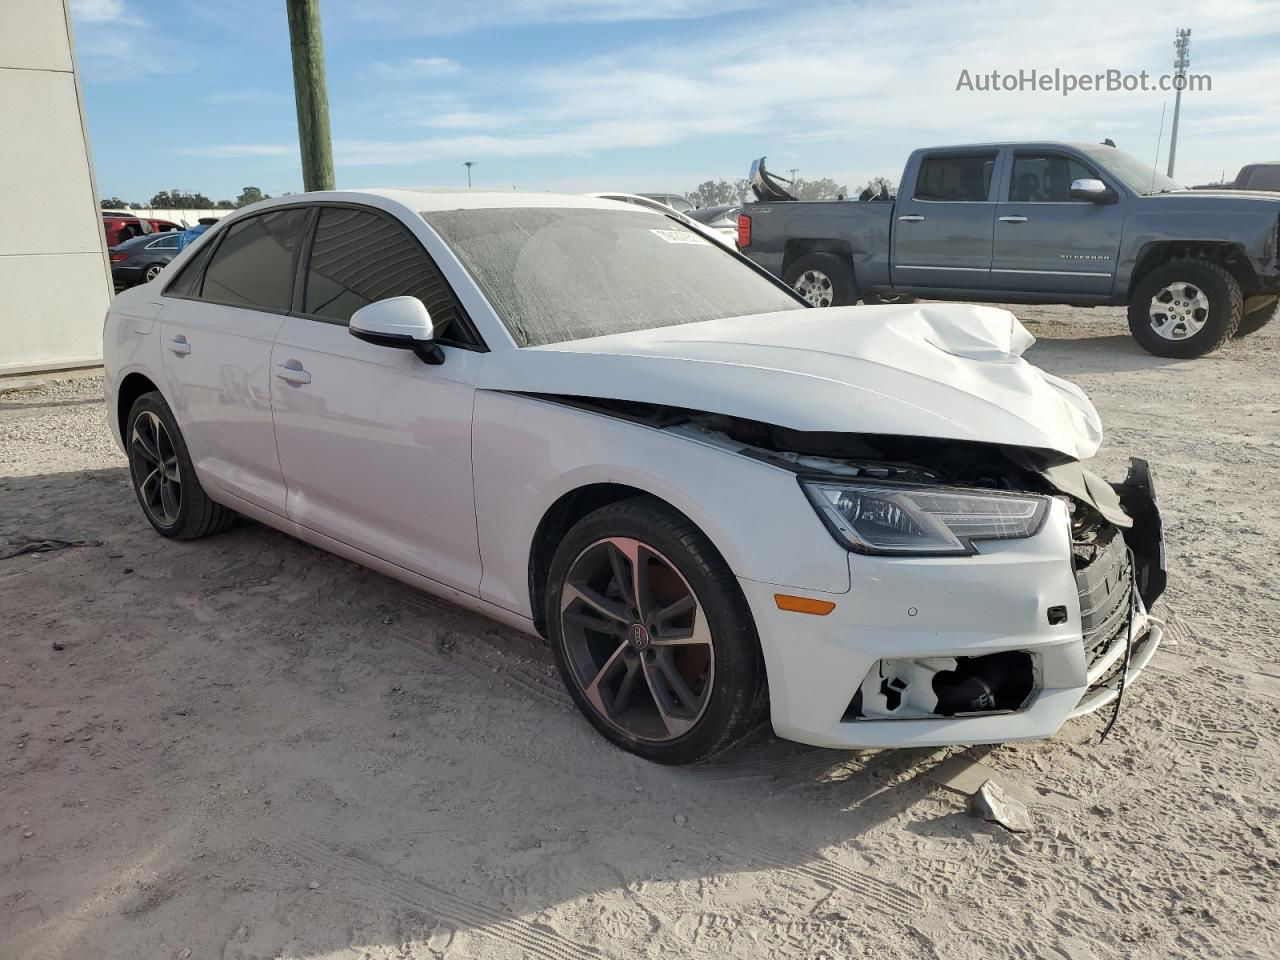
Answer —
(556, 274)
(1132, 172)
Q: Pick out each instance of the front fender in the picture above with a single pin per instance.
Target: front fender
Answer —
(528, 453)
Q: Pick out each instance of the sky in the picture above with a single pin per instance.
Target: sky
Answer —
(594, 95)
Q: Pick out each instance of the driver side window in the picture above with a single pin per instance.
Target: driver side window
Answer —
(359, 257)
(1045, 178)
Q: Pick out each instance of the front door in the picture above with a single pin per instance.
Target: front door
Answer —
(942, 231)
(1045, 242)
(375, 445)
(220, 318)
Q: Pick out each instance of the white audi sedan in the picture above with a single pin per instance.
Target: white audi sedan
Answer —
(870, 526)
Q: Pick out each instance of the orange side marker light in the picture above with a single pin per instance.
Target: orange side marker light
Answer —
(819, 608)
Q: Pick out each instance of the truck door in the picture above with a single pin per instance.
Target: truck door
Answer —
(942, 232)
(1045, 242)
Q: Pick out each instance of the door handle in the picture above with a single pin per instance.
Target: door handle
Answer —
(179, 345)
(292, 372)
(1013, 219)
(910, 218)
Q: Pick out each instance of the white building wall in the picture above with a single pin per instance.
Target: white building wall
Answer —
(55, 281)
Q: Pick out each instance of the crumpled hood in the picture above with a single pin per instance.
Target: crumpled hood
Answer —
(951, 371)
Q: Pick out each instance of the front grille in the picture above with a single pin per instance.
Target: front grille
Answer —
(1104, 594)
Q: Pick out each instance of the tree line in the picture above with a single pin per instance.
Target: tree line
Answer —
(187, 200)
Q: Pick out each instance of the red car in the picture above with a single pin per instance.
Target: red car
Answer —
(120, 227)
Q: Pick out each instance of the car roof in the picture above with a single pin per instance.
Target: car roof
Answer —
(428, 200)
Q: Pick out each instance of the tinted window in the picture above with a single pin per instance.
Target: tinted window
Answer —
(1264, 178)
(164, 243)
(1045, 178)
(253, 266)
(187, 283)
(955, 178)
(360, 257)
(557, 274)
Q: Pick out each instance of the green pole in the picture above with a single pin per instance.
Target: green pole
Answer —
(311, 94)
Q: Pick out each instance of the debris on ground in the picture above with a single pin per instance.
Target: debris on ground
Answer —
(17, 546)
(992, 804)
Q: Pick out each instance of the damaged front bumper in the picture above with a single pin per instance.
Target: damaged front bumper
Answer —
(846, 679)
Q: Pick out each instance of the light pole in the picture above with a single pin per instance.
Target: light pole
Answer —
(1181, 61)
(311, 94)
(468, 164)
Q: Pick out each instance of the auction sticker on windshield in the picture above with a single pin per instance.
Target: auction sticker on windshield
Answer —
(679, 236)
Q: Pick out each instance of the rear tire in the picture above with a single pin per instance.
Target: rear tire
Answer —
(672, 687)
(822, 279)
(1185, 309)
(1259, 317)
(151, 272)
(163, 477)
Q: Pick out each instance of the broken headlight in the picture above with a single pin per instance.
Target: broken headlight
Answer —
(913, 519)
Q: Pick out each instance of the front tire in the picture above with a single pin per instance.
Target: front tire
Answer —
(822, 279)
(163, 478)
(1185, 309)
(652, 635)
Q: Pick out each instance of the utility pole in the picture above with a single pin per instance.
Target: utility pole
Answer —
(1181, 60)
(310, 93)
(468, 164)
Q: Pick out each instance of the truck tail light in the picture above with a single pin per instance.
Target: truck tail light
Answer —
(744, 231)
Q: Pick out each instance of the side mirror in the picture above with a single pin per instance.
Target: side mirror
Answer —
(399, 322)
(1094, 191)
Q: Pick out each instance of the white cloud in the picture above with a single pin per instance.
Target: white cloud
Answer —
(101, 11)
(460, 16)
(416, 67)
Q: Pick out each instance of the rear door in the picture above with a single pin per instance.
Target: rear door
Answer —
(942, 232)
(221, 315)
(1045, 242)
(375, 445)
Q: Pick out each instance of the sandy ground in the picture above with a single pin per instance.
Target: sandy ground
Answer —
(244, 747)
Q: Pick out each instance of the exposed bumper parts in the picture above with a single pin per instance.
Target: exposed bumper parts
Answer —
(1004, 645)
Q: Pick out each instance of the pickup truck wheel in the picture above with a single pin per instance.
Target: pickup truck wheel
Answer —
(1185, 309)
(823, 279)
(1257, 318)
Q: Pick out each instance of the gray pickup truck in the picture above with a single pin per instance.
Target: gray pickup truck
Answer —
(1068, 223)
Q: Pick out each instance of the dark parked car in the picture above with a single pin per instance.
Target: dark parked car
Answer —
(141, 259)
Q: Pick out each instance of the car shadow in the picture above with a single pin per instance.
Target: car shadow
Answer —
(259, 748)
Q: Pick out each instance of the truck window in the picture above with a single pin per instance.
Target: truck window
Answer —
(1045, 178)
(955, 178)
(1264, 178)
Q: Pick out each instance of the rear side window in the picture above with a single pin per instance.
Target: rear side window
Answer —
(187, 282)
(955, 178)
(359, 257)
(253, 265)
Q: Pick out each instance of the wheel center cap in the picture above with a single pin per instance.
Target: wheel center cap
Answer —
(639, 636)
